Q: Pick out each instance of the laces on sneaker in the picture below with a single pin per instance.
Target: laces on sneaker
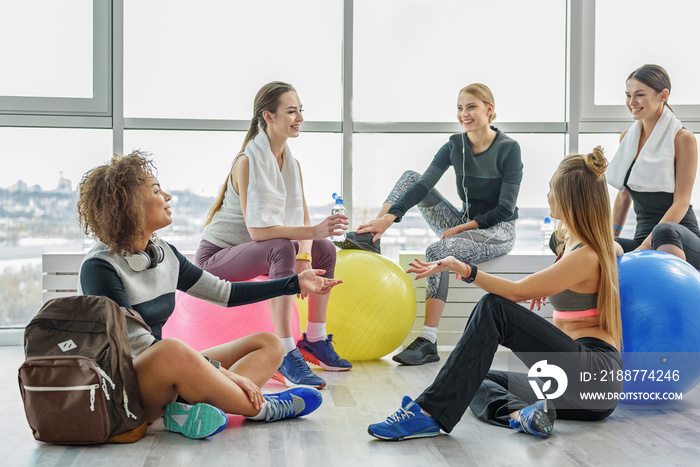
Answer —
(399, 415)
(415, 344)
(278, 409)
(332, 354)
(300, 363)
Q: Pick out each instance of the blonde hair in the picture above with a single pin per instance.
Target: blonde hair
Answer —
(267, 99)
(483, 93)
(581, 193)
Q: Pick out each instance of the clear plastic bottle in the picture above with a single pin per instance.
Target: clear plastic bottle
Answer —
(338, 208)
(547, 231)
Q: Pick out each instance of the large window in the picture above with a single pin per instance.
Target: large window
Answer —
(55, 58)
(378, 81)
(37, 207)
(619, 36)
(207, 60)
(412, 57)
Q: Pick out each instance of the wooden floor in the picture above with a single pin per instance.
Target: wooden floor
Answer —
(336, 434)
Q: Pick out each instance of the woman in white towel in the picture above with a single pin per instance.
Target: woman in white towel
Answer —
(260, 225)
(655, 168)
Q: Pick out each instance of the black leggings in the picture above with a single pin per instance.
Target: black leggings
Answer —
(465, 381)
(669, 233)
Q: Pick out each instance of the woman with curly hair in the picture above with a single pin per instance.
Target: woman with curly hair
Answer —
(584, 336)
(122, 204)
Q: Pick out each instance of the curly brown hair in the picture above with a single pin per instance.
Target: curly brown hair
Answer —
(111, 203)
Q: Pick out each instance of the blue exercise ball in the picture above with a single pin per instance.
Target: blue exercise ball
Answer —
(659, 301)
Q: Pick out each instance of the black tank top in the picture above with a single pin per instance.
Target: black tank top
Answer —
(650, 207)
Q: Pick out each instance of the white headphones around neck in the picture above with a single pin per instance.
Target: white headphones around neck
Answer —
(142, 260)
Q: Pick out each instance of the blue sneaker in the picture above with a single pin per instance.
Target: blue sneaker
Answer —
(194, 421)
(406, 423)
(323, 354)
(296, 371)
(295, 402)
(536, 419)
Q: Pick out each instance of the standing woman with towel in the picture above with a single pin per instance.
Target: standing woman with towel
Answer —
(655, 167)
(260, 225)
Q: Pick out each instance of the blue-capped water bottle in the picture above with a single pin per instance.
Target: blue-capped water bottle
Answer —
(547, 231)
(338, 208)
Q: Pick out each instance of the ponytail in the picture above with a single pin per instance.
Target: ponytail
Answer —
(252, 133)
(267, 99)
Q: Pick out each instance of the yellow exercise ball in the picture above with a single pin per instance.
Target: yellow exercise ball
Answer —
(371, 313)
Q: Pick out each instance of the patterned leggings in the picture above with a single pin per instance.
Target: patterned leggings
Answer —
(472, 246)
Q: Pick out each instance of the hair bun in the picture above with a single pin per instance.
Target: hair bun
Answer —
(596, 161)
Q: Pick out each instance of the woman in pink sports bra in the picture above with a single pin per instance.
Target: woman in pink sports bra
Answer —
(584, 337)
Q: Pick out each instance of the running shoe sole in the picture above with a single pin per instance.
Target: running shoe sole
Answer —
(422, 361)
(420, 435)
(196, 422)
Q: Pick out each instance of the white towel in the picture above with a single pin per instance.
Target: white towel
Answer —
(655, 167)
(274, 195)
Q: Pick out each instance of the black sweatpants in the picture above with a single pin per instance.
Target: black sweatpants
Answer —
(465, 379)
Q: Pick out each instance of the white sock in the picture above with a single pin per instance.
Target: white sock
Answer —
(316, 332)
(429, 333)
(261, 415)
(289, 344)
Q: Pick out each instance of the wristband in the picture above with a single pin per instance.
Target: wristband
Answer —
(304, 257)
(472, 274)
(616, 227)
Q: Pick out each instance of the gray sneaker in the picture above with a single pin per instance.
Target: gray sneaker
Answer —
(419, 352)
(354, 241)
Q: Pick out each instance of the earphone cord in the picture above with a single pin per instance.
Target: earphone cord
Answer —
(464, 181)
(466, 197)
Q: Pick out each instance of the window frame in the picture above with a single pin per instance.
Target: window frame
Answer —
(608, 118)
(20, 109)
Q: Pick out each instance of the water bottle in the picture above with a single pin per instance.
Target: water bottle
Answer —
(338, 208)
(547, 231)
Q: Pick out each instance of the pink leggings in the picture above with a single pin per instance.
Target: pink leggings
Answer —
(275, 258)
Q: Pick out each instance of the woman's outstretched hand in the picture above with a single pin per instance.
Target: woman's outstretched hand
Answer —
(311, 282)
(422, 269)
(331, 225)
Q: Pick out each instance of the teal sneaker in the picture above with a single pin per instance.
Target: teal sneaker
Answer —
(194, 421)
(536, 419)
(406, 423)
(292, 403)
(323, 354)
(296, 371)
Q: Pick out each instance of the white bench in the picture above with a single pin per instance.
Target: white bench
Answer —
(60, 279)
(462, 297)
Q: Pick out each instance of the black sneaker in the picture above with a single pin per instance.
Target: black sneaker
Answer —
(419, 352)
(363, 241)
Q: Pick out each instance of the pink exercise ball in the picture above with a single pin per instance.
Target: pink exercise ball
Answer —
(203, 325)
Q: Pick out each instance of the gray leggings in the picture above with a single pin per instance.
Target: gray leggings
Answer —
(472, 246)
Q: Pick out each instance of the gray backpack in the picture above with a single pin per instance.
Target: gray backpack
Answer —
(78, 382)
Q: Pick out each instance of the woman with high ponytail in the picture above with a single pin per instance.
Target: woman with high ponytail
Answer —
(584, 337)
(259, 225)
(655, 168)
